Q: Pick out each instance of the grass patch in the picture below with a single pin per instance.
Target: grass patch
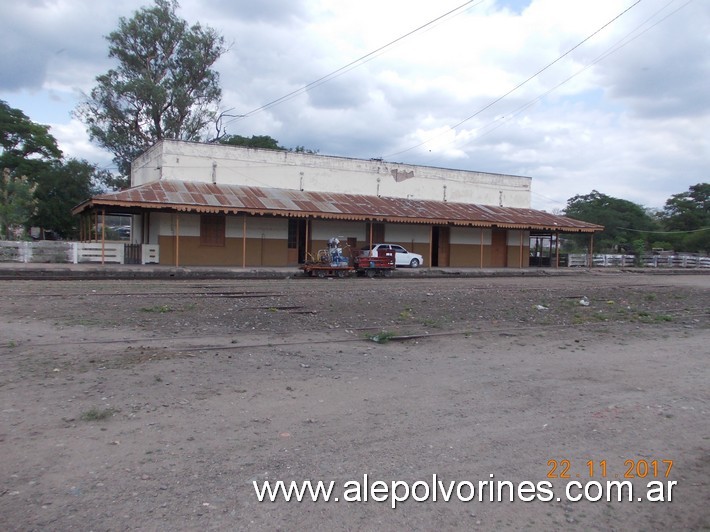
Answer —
(381, 337)
(97, 414)
(406, 313)
(161, 309)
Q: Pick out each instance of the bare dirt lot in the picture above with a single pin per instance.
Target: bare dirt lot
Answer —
(155, 405)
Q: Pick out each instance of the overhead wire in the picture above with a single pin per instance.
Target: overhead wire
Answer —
(519, 85)
(353, 64)
(613, 49)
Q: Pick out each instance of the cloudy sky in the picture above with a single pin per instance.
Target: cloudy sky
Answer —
(623, 106)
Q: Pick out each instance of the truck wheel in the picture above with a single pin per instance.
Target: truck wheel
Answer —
(371, 273)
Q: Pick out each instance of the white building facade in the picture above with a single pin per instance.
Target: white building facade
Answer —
(233, 165)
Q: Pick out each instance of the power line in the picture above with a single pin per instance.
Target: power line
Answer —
(519, 85)
(353, 64)
(627, 39)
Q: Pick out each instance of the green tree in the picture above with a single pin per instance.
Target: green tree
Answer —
(625, 223)
(163, 88)
(25, 147)
(261, 141)
(256, 141)
(62, 186)
(17, 203)
(689, 213)
(27, 150)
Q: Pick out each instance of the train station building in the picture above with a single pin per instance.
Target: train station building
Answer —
(217, 205)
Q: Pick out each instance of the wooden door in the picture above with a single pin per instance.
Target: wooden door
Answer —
(499, 249)
(443, 247)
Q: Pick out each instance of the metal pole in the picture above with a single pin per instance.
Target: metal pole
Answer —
(481, 247)
(557, 250)
(521, 248)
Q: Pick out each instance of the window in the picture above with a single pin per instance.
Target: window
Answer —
(399, 249)
(293, 233)
(212, 230)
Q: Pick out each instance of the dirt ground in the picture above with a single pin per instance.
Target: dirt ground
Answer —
(155, 405)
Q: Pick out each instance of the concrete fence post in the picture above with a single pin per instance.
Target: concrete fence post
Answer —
(25, 252)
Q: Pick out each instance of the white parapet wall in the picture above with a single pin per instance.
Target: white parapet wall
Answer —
(101, 252)
(235, 165)
(41, 251)
(61, 252)
(150, 254)
(648, 261)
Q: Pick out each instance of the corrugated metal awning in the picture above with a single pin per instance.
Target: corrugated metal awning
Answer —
(190, 196)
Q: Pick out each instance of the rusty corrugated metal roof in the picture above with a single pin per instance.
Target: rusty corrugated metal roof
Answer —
(190, 196)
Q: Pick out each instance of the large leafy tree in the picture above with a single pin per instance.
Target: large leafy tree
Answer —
(27, 150)
(25, 147)
(626, 224)
(164, 86)
(688, 214)
(17, 203)
(62, 186)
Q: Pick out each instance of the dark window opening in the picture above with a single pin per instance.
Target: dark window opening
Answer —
(212, 230)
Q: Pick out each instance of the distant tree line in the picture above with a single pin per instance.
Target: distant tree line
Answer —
(164, 87)
(39, 186)
(682, 225)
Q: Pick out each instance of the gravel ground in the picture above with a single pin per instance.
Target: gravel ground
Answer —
(156, 405)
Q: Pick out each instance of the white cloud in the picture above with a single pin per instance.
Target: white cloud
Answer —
(633, 125)
(71, 137)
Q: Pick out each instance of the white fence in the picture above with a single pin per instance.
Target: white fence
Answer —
(73, 252)
(648, 261)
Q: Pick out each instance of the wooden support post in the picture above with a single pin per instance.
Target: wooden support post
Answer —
(557, 250)
(431, 247)
(591, 250)
(308, 235)
(96, 225)
(244, 241)
(521, 248)
(481, 247)
(103, 236)
(177, 240)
